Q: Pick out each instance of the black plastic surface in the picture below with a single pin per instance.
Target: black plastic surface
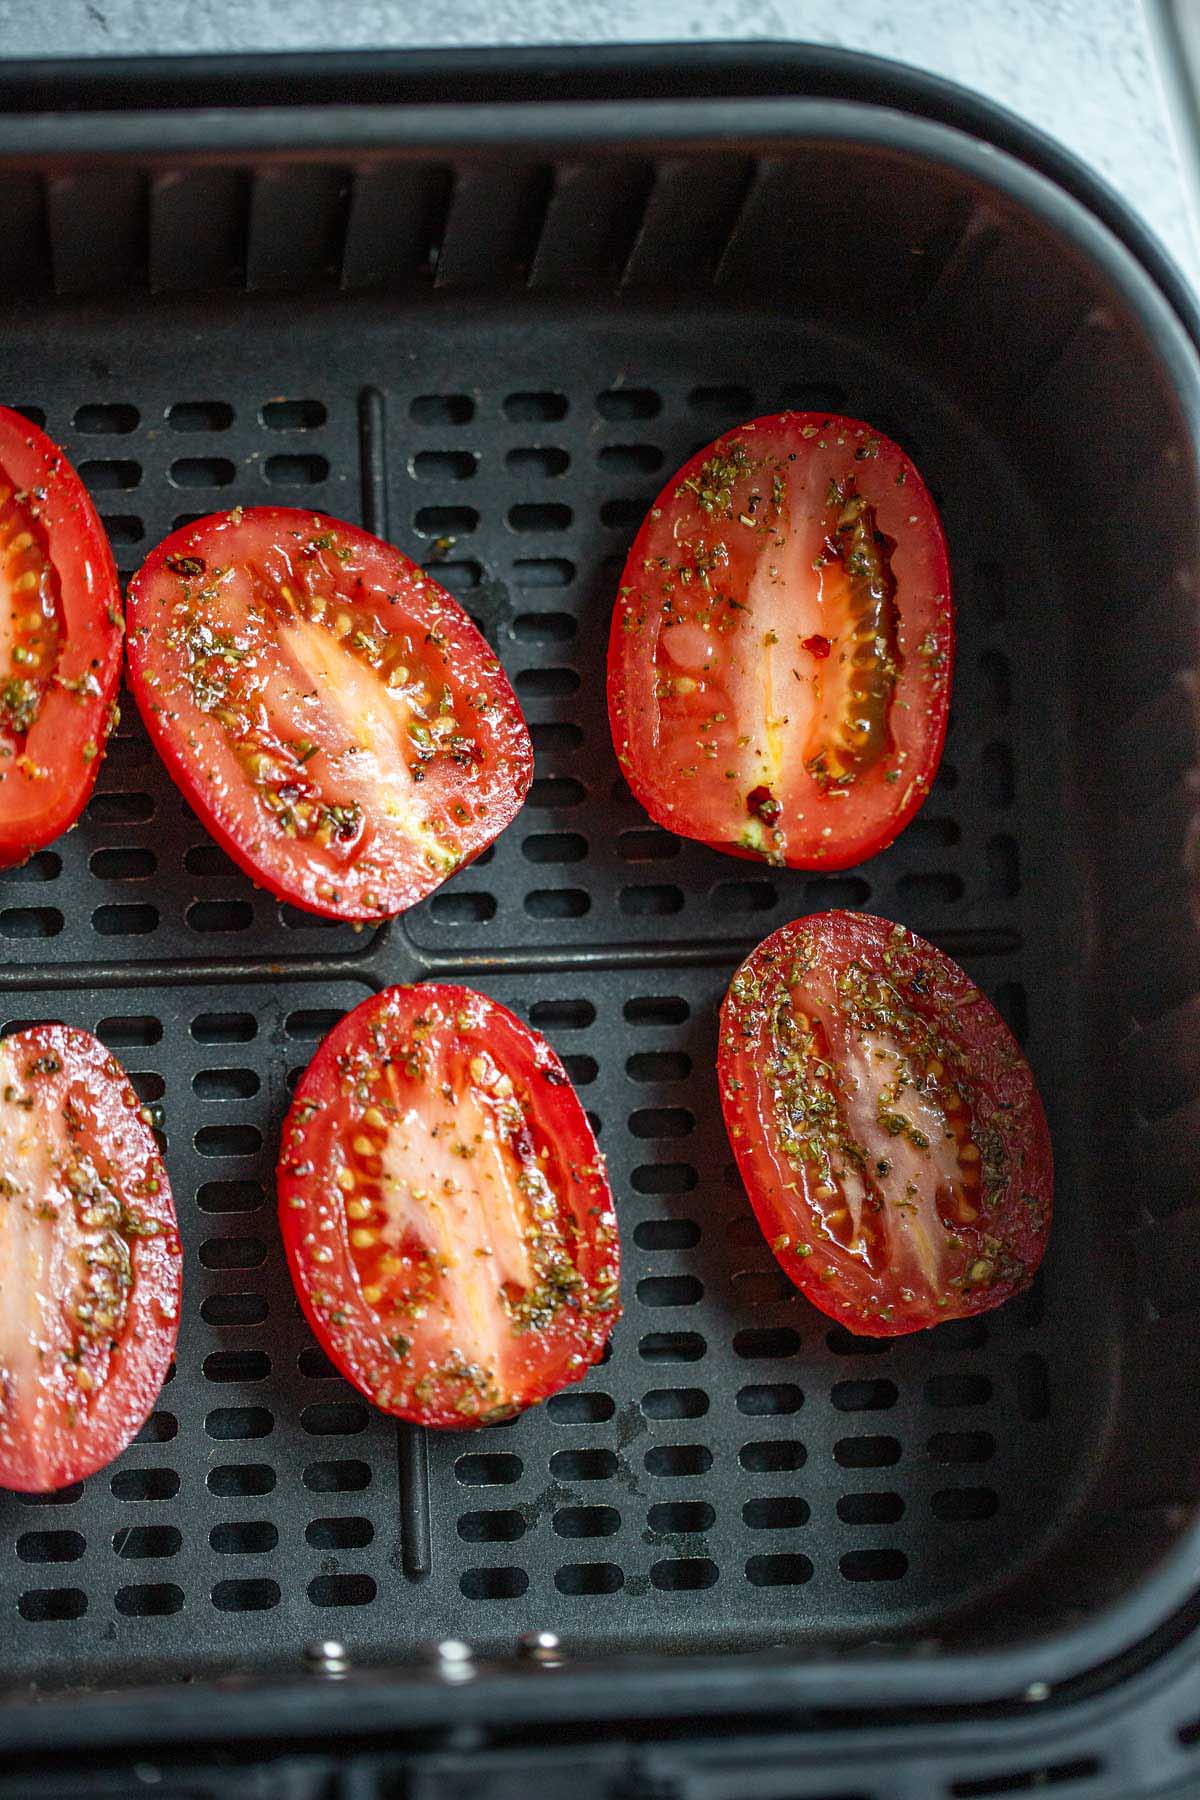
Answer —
(738, 1474)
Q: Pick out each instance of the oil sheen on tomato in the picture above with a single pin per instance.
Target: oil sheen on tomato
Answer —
(780, 658)
(331, 713)
(447, 1218)
(90, 1260)
(886, 1125)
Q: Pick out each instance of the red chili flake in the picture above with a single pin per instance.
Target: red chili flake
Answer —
(816, 646)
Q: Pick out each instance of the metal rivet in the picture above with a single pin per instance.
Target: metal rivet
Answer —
(327, 1657)
(1038, 1690)
(541, 1647)
(455, 1660)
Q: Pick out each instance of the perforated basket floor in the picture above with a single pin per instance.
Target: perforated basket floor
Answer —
(737, 1473)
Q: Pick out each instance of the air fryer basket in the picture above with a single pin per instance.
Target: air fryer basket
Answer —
(490, 335)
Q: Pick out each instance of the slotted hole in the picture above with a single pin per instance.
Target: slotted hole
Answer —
(225, 1310)
(580, 1408)
(226, 1423)
(671, 1461)
(220, 915)
(348, 1476)
(745, 896)
(662, 1122)
(958, 1389)
(225, 1084)
(40, 1606)
(667, 1234)
(120, 921)
(445, 521)
(589, 1578)
(546, 684)
(35, 414)
(127, 864)
(228, 1140)
(254, 1594)
(208, 859)
(870, 1508)
(621, 460)
(664, 1178)
(624, 513)
(309, 1024)
(650, 845)
(120, 809)
(675, 1403)
(461, 577)
(249, 1537)
(670, 1290)
(159, 1428)
(144, 1484)
(313, 1363)
(583, 1465)
(684, 1574)
(294, 415)
(203, 471)
(149, 1599)
(299, 469)
(776, 1512)
(557, 903)
(200, 415)
(544, 628)
(825, 891)
(729, 402)
(233, 1253)
(540, 461)
(680, 1518)
(655, 1009)
(237, 1365)
(543, 572)
(770, 1397)
(225, 1027)
(772, 1456)
(555, 737)
(962, 1505)
(339, 1534)
(444, 465)
(790, 1569)
(467, 907)
(57, 1497)
(583, 1070)
(147, 1085)
(240, 1480)
(334, 1418)
(50, 1546)
(111, 475)
(490, 1469)
(628, 403)
(1013, 1007)
(31, 922)
(864, 1396)
(671, 1346)
(141, 1543)
(493, 1584)
(766, 1343)
(753, 1288)
(873, 1565)
(503, 1526)
(844, 1343)
(556, 790)
(562, 1015)
(961, 1446)
(540, 515)
(587, 1521)
(117, 417)
(930, 887)
(43, 865)
(650, 900)
(442, 409)
(543, 405)
(866, 1452)
(1032, 1380)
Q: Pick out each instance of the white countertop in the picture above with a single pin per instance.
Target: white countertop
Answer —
(1083, 70)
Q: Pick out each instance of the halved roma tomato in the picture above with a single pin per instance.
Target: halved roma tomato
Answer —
(779, 665)
(445, 1211)
(60, 641)
(331, 713)
(885, 1123)
(90, 1261)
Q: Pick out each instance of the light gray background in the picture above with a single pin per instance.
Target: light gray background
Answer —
(1084, 70)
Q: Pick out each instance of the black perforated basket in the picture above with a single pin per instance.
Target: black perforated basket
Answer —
(484, 307)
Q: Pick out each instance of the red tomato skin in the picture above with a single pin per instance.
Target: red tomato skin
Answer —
(1002, 1075)
(511, 742)
(112, 1416)
(653, 777)
(309, 1204)
(37, 811)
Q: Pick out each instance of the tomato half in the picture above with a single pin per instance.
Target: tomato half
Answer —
(885, 1124)
(781, 649)
(90, 1260)
(331, 713)
(446, 1214)
(60, 641)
